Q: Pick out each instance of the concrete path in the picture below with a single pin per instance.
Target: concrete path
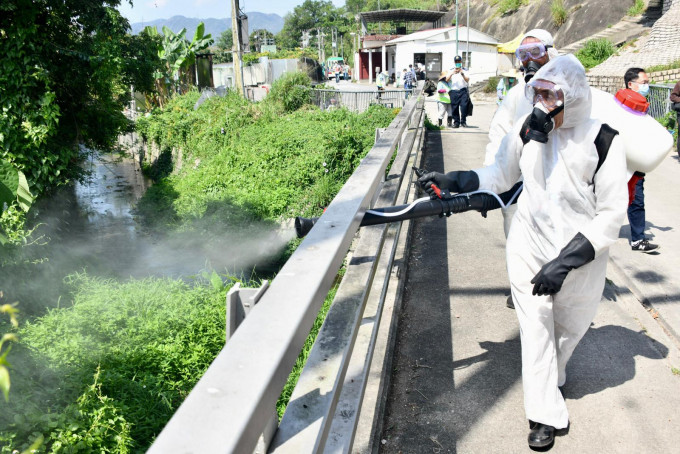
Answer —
(456, 381)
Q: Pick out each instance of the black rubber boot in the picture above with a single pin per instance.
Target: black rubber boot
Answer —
(540, 435)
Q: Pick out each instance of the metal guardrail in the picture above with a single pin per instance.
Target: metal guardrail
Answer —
(659, 100)
(232, 404)
(359, 101)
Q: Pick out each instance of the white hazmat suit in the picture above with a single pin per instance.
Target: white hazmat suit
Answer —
(562, 196)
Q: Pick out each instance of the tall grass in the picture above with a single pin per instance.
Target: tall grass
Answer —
(558, 12)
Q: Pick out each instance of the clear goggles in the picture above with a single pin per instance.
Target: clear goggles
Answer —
(543, 91)
(531, 51)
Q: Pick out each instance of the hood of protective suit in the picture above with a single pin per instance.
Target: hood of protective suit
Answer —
(569, 74)
(545, 37)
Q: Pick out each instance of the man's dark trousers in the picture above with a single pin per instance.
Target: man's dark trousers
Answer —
(459, 99)
(636, 213)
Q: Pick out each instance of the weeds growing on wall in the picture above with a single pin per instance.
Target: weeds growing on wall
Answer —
(595, 52)
(558, 12)
(672, 65)
(637, 8)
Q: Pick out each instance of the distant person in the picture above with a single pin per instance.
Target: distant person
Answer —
(337, 71)
(408, 81)
(636, 79)
(429, 87)
(414, 74)
(345, 72)
(381, 81)
(675, 99)
(459, 94)
(505, 83)
(443, 101)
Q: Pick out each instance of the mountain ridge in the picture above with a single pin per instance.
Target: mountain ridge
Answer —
(256, 20)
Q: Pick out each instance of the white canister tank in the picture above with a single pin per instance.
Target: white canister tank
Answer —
(646, 142)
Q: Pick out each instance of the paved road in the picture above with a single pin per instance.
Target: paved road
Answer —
(456, 384)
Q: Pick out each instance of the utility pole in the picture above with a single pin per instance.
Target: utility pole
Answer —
(457, 28)
(236, 50)
(467, 25)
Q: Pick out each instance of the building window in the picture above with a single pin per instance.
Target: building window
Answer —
(467, 59)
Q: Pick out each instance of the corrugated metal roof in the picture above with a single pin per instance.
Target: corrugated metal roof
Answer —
(402, 15)
(447, 34)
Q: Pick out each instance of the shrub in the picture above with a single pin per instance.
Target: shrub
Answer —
(558, 12)
(106, 374)
(637, 8)
(491, 84)
(292, 90)
(595, 52)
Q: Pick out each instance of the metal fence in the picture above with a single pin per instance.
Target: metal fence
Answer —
(233, 403)
(659, 100)
(359, 101)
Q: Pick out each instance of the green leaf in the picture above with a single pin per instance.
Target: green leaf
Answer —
(24, 195)
(198, 35)
(9, 181)
(4, 381)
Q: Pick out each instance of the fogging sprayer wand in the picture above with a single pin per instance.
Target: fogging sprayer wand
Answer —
(442, 203)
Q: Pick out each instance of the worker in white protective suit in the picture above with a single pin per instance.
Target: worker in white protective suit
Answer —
(568, 215)
(535, 50)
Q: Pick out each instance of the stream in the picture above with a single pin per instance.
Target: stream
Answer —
(91, 226)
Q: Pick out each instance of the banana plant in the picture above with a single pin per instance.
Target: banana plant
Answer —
(177, 55)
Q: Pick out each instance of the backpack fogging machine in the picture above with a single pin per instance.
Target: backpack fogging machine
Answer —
(441, 203)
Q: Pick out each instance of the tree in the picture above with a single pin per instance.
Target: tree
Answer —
(64, 81)
(312, 14)
(258, 38)
(177, 55)
(224, 46)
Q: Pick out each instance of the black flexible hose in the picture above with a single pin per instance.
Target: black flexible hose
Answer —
(439, 207)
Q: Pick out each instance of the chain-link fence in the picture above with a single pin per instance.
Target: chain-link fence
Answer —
(358, 101)
(659, 100)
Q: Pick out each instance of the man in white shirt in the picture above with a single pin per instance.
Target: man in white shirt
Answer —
(458, 80)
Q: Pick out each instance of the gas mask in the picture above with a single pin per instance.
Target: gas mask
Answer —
(530, 69)
(540, 123)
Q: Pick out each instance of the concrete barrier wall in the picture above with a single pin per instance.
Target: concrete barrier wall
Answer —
(612, 84)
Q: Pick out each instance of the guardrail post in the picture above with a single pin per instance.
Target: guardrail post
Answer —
(240, 301)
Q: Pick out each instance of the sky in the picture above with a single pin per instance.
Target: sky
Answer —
(146, 10)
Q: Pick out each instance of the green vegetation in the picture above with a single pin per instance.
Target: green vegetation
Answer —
(504, 7)
(431, 126)
(595, 52)
(177, 55)
(271, 163)
(105, 370)
(106, 373)
(64, 81)
(637, 8)
(491, 84)
(558, 12)
(672, 65)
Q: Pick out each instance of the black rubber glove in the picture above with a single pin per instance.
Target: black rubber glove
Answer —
(456, 181)
(575, 254)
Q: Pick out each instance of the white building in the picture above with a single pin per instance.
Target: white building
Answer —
(436, 49)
